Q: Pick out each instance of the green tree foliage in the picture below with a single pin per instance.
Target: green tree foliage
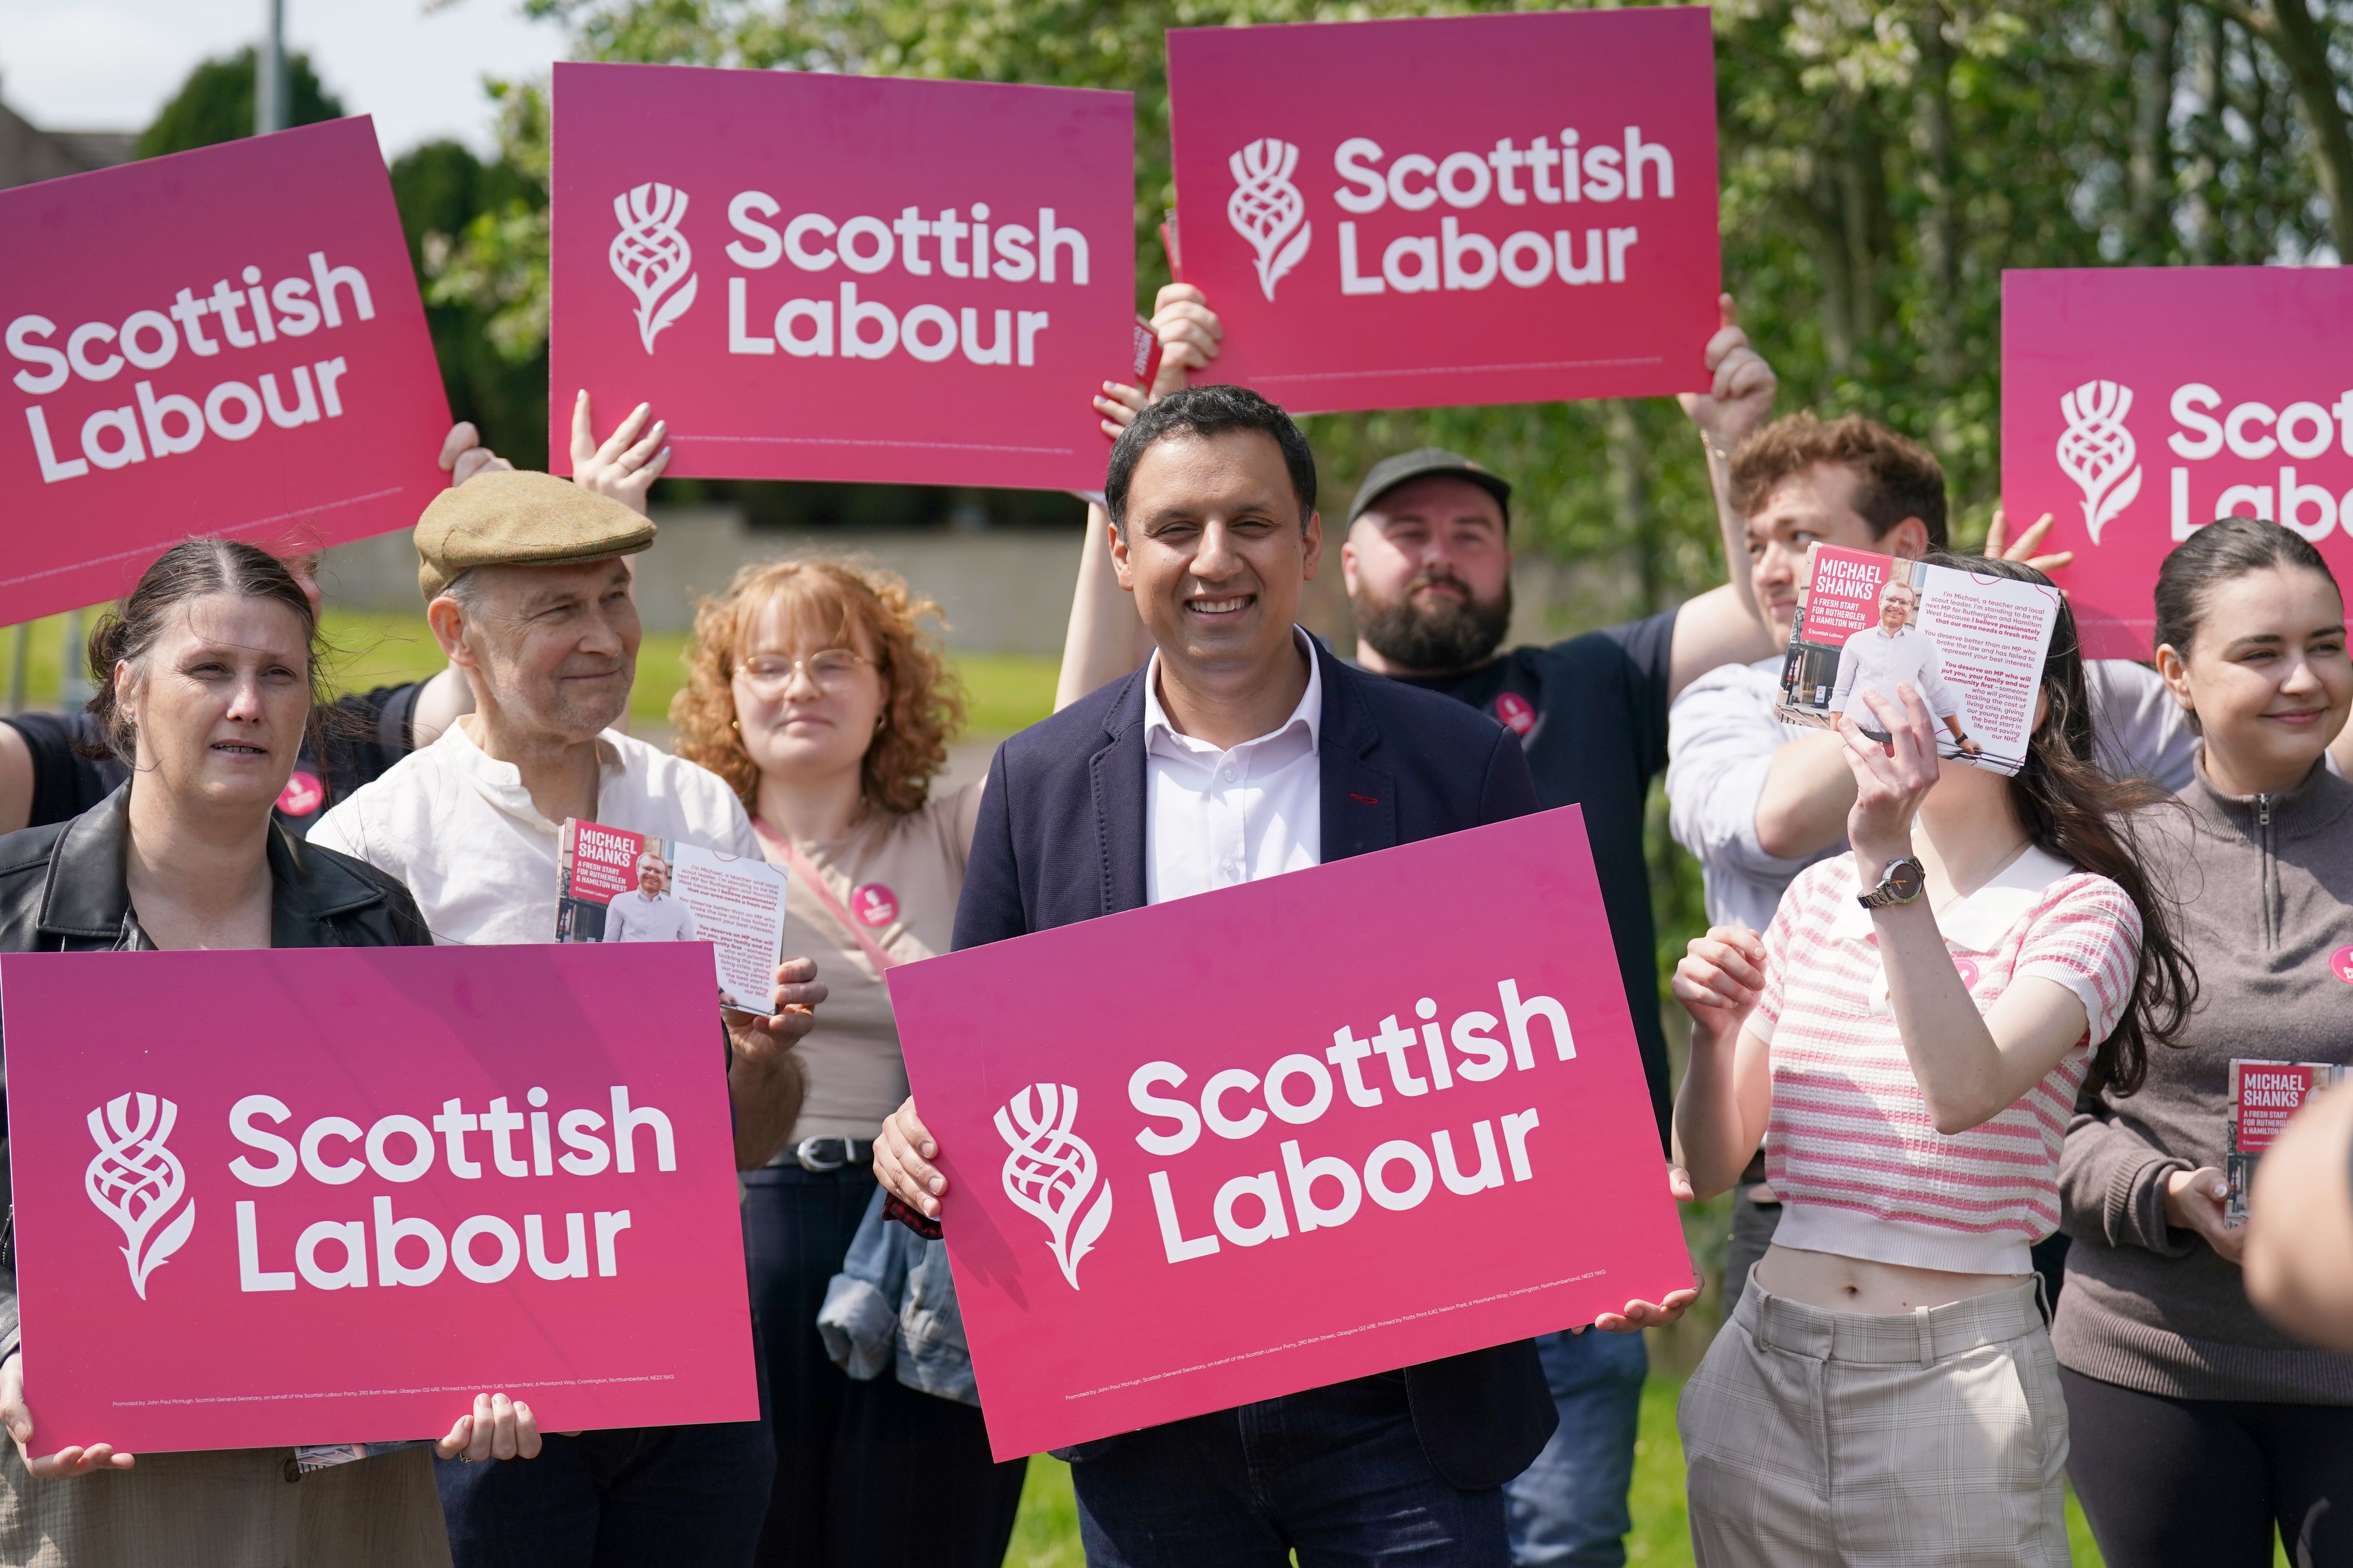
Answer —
(490, 335)
(216, 104)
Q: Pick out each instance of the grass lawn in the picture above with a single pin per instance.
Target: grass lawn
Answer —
(1005, 691)
(1047, 1534)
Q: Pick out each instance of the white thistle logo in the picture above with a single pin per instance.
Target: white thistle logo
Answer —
(650, 255)
(136, 1181)
(1051, 1170)
(2095, 450)
(1266, 207)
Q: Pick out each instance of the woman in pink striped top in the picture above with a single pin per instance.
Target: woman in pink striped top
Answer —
(1909, 1039)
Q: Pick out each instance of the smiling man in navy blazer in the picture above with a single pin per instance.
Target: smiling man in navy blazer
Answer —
(1243, 750)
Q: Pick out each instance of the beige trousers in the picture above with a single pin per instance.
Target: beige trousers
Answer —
(1936, 1439)
(229, 1509)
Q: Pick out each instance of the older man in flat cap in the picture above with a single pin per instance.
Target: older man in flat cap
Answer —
(529, 590)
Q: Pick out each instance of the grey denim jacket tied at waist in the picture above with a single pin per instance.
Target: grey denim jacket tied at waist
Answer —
(894, 1302)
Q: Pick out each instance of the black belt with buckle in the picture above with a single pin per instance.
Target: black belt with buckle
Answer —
(822, 1155)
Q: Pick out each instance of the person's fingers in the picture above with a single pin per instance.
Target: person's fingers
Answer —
(584, 432)
(461, 1432)
(1742, 938)
(1173, 293)
(2022, 548)
(481, 1433)
(642, 452)
(1997, 533)
(808, 994)
(784, 1029)
(1679, 1185)
(503, 1428)
(477, 461)
(2046, 564)
(527, 1442)
(654, 467)
(624, 436)
(797, 971)
(462, 438)
(1727, 310)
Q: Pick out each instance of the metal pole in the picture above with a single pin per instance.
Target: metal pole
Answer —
(269, 76)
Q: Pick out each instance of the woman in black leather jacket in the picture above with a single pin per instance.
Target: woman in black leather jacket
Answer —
(207, 683)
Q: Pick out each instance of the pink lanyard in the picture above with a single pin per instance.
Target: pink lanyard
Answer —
(807, 873)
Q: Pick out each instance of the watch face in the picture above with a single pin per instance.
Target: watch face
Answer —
(1906, 878)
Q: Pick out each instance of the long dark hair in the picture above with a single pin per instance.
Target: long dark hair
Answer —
(188, 569)
(2075, 813)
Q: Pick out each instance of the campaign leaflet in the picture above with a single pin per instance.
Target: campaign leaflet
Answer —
(2264, 1095)
(613, 885)
(1972, 646)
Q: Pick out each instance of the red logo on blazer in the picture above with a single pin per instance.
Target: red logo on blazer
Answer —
(1515, 714)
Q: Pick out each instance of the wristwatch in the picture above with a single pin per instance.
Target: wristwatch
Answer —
(1899, 884)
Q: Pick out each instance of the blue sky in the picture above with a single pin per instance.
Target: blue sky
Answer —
(108, 65)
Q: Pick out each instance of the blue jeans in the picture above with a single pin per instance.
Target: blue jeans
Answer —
(692, 1496)
(1335, 1474)
(1569, 1506)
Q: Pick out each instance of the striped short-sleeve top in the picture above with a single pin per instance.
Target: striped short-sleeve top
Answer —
(1849, 1147)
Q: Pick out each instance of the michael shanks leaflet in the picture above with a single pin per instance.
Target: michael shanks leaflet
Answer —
(613, 885)
(1972, 645)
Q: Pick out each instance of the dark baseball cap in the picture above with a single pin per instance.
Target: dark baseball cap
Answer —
(1420, 463)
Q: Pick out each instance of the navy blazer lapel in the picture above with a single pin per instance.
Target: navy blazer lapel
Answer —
(1359, 800)
(1116, 772)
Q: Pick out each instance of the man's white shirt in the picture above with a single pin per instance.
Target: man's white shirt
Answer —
(1216, 819)
(1873, 660)
(459, 828)
(633, 917)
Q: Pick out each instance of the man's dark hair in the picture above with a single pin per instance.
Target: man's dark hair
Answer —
(1895, 477)
(1209, 411)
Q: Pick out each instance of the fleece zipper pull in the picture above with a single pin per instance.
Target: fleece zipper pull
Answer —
(2271, 880)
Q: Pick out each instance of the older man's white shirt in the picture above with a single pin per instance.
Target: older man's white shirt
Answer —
(1873, 660)
(1216, 820)
(458, 828)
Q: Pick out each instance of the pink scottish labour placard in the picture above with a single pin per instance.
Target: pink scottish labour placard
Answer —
(1505, 208)
(224, 341)
(327, 1195)
(817, 277)
(1289, 1132)
(2139, 404)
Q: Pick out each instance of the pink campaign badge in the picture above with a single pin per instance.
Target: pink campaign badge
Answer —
(2340, 964)
(1968, 970)
(875, 905)
(1515, 714)
(302, 796)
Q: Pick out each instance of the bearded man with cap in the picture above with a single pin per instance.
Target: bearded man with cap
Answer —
(529, 592)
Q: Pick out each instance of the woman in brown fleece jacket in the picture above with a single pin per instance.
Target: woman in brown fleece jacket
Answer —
(2196, 1427)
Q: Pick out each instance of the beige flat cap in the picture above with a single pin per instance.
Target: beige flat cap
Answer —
(516, 518)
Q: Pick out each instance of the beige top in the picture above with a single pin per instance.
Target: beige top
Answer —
(898, 877)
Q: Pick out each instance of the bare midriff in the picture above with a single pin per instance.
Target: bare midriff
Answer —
(1837, 1284)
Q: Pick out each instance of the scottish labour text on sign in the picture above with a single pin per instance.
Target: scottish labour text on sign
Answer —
(1157, 1212)
(1486, 209)
(187, 352)
(845, 278)
(2140, 404)
(361, 1185)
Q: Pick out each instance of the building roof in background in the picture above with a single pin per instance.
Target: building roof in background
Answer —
(28, 153)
